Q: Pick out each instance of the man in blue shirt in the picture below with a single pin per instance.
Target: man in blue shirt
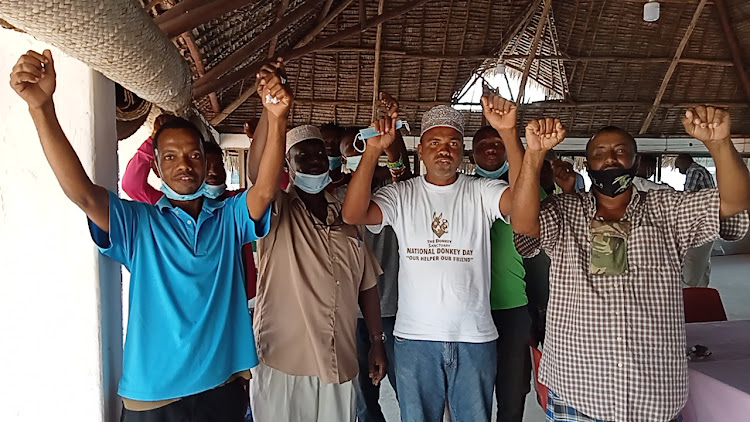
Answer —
(189, 337)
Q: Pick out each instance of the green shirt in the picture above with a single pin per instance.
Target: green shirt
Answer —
(508, 287)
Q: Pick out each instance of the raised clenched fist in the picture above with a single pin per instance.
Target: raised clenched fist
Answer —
(544, 134)
(33, 78)
(499, 112)
(707, 124)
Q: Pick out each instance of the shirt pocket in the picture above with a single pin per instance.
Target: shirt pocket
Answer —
(647, 248)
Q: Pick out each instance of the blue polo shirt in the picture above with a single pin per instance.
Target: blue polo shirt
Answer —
(188, 328)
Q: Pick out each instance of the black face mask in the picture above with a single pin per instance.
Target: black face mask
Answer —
(612, 182)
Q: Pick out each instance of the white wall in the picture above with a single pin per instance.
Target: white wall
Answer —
(60, 308)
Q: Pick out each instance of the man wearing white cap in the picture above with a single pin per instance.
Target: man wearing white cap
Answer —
(313, 271)
(445, 336)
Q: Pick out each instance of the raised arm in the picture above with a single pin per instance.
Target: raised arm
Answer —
(501, 114)
(358, 207)
(260, 135)
(397, 149)
(541, 136)
(712, 126)
(33, 78)
(276, 103)
(135, 177)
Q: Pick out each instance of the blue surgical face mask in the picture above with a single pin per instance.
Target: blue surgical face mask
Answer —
(312, 183)
(334, 163)
(215, 191)
(171, 194)
(353, 162)
(492, 174)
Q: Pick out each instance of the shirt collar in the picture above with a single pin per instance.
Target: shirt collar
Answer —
(635, 199)
(209, 205)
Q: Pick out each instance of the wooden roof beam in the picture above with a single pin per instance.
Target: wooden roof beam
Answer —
(195, 54)
(534, 47)
(376, 71)
(734, 46)
(272, 44)
(538, 104)
(216, 84)
(673, 66)
(189, 14)
(251, 90)
(242, 53)
(323, 23)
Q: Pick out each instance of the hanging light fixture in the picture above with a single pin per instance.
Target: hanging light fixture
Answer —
(651, 11)
(500, 68)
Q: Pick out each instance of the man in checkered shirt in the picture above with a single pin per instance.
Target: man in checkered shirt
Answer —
(615, 343)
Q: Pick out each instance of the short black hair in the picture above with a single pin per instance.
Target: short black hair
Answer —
(614, 129)
(484, 132)
(176, 123)
(212, 148)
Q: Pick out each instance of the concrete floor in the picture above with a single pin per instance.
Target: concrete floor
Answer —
(729, 274)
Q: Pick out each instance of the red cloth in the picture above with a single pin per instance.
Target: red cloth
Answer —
(135, 184)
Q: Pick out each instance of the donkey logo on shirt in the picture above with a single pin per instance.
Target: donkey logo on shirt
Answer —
(439, 224)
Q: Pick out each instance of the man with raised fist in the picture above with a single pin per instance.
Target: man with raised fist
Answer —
(615, 343)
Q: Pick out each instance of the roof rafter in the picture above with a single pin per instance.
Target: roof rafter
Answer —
(734, 46)
(216, 84)
(376, 71)
(188, 14)
(673, 66)
(534, 47)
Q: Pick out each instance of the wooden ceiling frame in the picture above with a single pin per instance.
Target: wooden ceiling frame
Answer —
(189, 14)
(534, 47)
(238, 75)
(734, 46)
(672, 66)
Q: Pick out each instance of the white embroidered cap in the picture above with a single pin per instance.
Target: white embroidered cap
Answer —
(442, 116)
(302, 133)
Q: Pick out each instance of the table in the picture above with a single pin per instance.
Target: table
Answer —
(720, 383)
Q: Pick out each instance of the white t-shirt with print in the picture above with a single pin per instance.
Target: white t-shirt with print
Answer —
(444, 247)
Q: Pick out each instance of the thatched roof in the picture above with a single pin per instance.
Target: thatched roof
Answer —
(599, 57)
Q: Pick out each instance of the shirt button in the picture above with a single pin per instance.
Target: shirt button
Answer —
(190, 222)
(617, 313)
(619, 338)
(338, 282)
(619, 365)
(615, 284)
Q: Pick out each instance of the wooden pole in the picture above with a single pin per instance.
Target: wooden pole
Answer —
(534, 47)
(672, 67)
(188, 14)
(272, 44)
(734, 46)
(216, 84)
(198, 60)
(239, 56)
(376, 72)
(323, 23)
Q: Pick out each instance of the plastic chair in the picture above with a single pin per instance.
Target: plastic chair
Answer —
(703, 304)
(541, 389)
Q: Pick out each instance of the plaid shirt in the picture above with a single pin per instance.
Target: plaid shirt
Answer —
(615, 344)
(697, 178)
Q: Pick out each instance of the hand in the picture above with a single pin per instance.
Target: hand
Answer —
(273, 92)
(386, 126)
(33, 78)
(499, 112)
(544, 134)
(378, 362)
(707, 124)
(565, 176)
(387, 104)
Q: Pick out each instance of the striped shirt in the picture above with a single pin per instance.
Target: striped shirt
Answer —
(615, 344)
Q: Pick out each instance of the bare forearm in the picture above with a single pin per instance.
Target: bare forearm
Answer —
(258, 144)
(369, 304)
(732, 179)
(525, 208)
(514, 151)
(267, 183)
(357, 201)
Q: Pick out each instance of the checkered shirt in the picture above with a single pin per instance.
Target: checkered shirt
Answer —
(615, 344)
(698, 178)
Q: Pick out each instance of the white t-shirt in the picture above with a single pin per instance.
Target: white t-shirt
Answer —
(444, 247)
(645, 185)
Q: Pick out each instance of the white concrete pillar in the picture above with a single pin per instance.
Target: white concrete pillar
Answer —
(60, 303)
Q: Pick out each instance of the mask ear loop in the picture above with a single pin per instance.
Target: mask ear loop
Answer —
(361, 140)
